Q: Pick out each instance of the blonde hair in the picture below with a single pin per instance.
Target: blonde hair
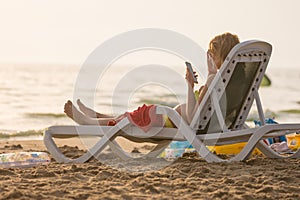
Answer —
(222, 44)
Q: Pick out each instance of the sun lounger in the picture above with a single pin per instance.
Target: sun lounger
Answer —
(219, 120)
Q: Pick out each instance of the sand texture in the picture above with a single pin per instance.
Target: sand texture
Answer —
(188, 177)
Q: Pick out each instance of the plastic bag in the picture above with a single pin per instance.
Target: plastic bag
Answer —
(23, 159)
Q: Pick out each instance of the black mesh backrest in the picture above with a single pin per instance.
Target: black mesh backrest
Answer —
(235, 86)
(238, 88)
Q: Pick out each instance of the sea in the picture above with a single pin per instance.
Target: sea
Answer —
(32, 96)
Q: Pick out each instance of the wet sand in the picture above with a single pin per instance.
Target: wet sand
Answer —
(189, 177)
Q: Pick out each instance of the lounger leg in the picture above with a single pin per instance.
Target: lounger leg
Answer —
(267, 151)
(58, 155)
(108, 138)
(117, 149)
(255, 141)
(189, 134)
(199, 146)
(158, 149)
(94, 151)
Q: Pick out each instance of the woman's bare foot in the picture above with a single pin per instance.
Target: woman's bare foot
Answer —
(72, 112)
(68, 109)
(89, 112)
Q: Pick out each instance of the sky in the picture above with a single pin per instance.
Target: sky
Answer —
(67, 31)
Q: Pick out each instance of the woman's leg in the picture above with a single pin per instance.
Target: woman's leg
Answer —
(181, 109)
(72, 112)
(91, 113)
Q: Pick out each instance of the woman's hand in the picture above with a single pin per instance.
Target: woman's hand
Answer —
(189, 77)
(212, 68)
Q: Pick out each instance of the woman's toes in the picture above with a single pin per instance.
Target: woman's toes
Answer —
(81, 105)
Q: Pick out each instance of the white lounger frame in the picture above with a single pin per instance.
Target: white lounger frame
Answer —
(163, 136)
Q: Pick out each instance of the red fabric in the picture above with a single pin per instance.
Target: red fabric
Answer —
(144, 117)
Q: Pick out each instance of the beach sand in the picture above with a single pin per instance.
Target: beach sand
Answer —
(188, 177)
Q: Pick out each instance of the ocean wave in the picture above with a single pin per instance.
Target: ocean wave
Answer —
(291, 111)
(158, 102)
(52, 115)
(21, 134)
(253, 115)
(289, 115)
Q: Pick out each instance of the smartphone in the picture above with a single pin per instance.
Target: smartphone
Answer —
(189, 66)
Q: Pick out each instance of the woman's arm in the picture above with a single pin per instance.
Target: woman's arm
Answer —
(212, 70)
(191, 101)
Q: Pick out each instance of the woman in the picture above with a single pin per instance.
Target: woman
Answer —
(219, 47)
